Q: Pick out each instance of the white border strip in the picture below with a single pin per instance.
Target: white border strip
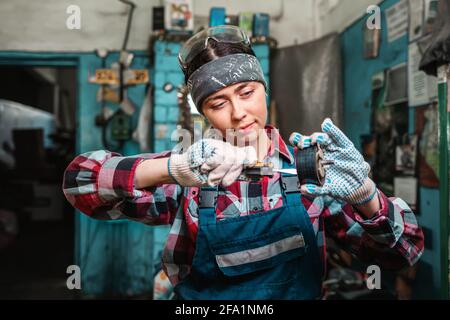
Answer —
(260, 253)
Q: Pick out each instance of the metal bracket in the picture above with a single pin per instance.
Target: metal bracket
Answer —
(290, 184)
(207, 199)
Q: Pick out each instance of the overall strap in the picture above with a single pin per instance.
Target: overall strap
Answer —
(207, 201)
(290, 186)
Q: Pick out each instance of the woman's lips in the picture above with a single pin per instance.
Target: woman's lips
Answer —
(247, 128)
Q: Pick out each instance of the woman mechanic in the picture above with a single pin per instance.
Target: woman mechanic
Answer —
(232, 238)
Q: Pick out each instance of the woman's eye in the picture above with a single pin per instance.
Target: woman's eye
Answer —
(247, 93)
(218, 105)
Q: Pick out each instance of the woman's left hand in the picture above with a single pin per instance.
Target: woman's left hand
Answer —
(348, 177)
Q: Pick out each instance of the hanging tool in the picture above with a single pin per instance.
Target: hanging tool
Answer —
(114, 85)
(120, 74)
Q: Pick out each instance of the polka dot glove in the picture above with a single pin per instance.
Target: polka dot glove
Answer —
(348, 177)
(210, 162)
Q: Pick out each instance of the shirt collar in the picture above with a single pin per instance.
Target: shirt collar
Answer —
(277, 144)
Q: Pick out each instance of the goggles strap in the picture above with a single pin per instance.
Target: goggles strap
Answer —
(223, 72)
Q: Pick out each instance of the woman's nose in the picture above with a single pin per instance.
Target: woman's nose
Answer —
(238, 112)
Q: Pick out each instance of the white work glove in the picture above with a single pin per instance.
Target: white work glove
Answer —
(210, 162)
(348, 177)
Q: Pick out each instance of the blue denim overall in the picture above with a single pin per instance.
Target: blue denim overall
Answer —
(266, 255)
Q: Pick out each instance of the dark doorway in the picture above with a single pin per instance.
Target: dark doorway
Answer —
(37, 124)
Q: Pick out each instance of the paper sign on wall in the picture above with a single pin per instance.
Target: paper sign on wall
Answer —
(397, 20)
(406, 189)
(422, 89)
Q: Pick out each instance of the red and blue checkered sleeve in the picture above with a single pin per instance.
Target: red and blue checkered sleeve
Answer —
(101, 185)
(391, 239)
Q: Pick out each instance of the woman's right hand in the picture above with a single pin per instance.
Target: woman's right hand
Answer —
(210, 162)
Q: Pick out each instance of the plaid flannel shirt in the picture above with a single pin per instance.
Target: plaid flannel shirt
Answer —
(101, 185)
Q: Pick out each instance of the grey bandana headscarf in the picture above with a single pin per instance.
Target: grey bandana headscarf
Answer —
(223, 72)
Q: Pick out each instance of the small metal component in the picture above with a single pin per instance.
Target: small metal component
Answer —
(168, 87)
(309, 162)
(290, 184)
(101, 52)
(260, 169)
(126, 58)
(326, 162)
(259, 172)
(207, 198)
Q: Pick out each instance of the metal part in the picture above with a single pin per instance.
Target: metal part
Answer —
(259, 172)
(168, 87)
(260, 169)
(126, 58)
(290, 184)
(208, 198)
(310, 167)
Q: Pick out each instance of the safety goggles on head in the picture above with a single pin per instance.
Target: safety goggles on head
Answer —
(199, 42)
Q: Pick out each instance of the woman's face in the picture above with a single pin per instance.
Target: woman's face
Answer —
(240, 107)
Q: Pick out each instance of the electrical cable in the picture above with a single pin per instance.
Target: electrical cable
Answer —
(130, 18)
(124, 45)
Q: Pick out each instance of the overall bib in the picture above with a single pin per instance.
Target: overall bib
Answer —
(267, 255)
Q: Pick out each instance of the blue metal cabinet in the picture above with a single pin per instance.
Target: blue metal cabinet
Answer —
(115, 256)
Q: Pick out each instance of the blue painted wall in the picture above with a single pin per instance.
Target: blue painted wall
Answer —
(357, 75)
